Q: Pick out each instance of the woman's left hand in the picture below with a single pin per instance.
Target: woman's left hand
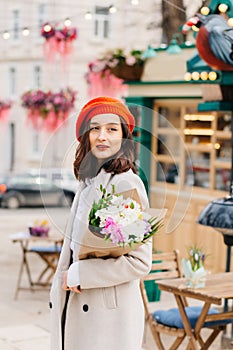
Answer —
(75, 289)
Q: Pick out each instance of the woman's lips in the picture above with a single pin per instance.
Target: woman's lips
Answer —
(102, 147)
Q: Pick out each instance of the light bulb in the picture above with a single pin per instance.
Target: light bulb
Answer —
(112, 9)
(223, 8)
(230, 22)
(47, 27)
(195, 29)
(205, 10)
(187, 76)
(204, 75)
(88, 15)
(195, 76)
(67, 22)
(25, 31)
(212, 76)
(134, 2)
(6, 35)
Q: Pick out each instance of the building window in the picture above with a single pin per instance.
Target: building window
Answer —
(12, 81)
(37, 77)
(16, 24)
(102, 22)
(34, 145)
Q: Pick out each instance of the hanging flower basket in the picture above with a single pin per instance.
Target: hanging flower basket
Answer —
(5, 106)
(127, 72)
(58, 41)
(121, 64)
(48, 110)
(101, 82)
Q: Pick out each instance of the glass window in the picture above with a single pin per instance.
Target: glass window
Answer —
(41, 16)
(37, 77)
(167, 172)
(169, 117)
(16, 24)
(223, 179)
(198, 169)
(12, 81)
(101, 22)
(168, 144)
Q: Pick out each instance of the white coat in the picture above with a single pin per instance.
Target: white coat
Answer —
(109, 313)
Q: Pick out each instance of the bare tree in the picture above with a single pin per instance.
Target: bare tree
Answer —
(174, 16)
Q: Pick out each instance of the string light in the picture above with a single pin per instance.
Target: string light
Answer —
(135, 2)
(230, 22)
(223, 8)
(25, 31)
(88, 15)
(212, 76)
(187, 76)
(112, 9)
(195, 76)
(204, 75)
(205, 10)
(67, 22)
(47, 27)
(195, 29)
(6, 35)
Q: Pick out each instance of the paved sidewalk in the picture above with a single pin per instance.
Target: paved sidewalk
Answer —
(25, 322)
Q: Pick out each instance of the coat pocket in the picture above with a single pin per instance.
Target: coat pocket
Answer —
(110, 297)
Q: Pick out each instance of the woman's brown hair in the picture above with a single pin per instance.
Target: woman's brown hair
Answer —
(86, 165)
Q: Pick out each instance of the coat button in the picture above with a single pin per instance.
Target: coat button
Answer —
(50, 305)
(85, 307)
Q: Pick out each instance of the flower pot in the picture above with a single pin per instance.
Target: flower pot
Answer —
(38, 231)
(194, 279)
(126, 72)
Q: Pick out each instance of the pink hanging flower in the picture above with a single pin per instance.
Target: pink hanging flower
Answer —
(48, 110)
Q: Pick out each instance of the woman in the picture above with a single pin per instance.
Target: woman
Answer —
(96, 303)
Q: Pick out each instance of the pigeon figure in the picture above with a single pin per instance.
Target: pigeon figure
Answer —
(214, 40)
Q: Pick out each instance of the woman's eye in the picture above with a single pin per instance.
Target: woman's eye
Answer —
(94, 128)
(112, 129)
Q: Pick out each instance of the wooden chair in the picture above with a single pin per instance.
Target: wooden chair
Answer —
(165, 266)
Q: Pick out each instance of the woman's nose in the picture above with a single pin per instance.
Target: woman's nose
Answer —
(102, 134)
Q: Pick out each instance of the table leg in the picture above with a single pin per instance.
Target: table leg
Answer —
(24, 262)
(192, 345)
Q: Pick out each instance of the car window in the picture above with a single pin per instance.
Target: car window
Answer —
(56, 177)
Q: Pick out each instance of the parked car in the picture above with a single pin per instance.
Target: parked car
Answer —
(62, 177)
(26, 190)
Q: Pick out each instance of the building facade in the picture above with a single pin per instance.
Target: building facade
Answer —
(100, 25)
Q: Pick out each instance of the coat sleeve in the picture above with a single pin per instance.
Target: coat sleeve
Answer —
(97, 273)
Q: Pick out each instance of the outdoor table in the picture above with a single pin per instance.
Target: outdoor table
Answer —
(47, 248)
(217, 288)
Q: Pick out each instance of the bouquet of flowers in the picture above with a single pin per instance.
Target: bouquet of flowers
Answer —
(39, 228)
(117, 225)
(193, 267)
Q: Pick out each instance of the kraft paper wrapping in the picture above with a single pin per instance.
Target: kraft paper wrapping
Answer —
(93, 244)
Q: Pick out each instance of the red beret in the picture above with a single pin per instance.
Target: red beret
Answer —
(103, 105)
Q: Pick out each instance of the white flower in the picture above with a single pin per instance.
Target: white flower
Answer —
(136, 228)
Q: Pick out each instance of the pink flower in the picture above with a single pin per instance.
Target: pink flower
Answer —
(131, 60)
(113, 231)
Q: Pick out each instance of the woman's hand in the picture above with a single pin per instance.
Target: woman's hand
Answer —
(75, 289)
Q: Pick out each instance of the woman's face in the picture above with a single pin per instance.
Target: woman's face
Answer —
(105, 135)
